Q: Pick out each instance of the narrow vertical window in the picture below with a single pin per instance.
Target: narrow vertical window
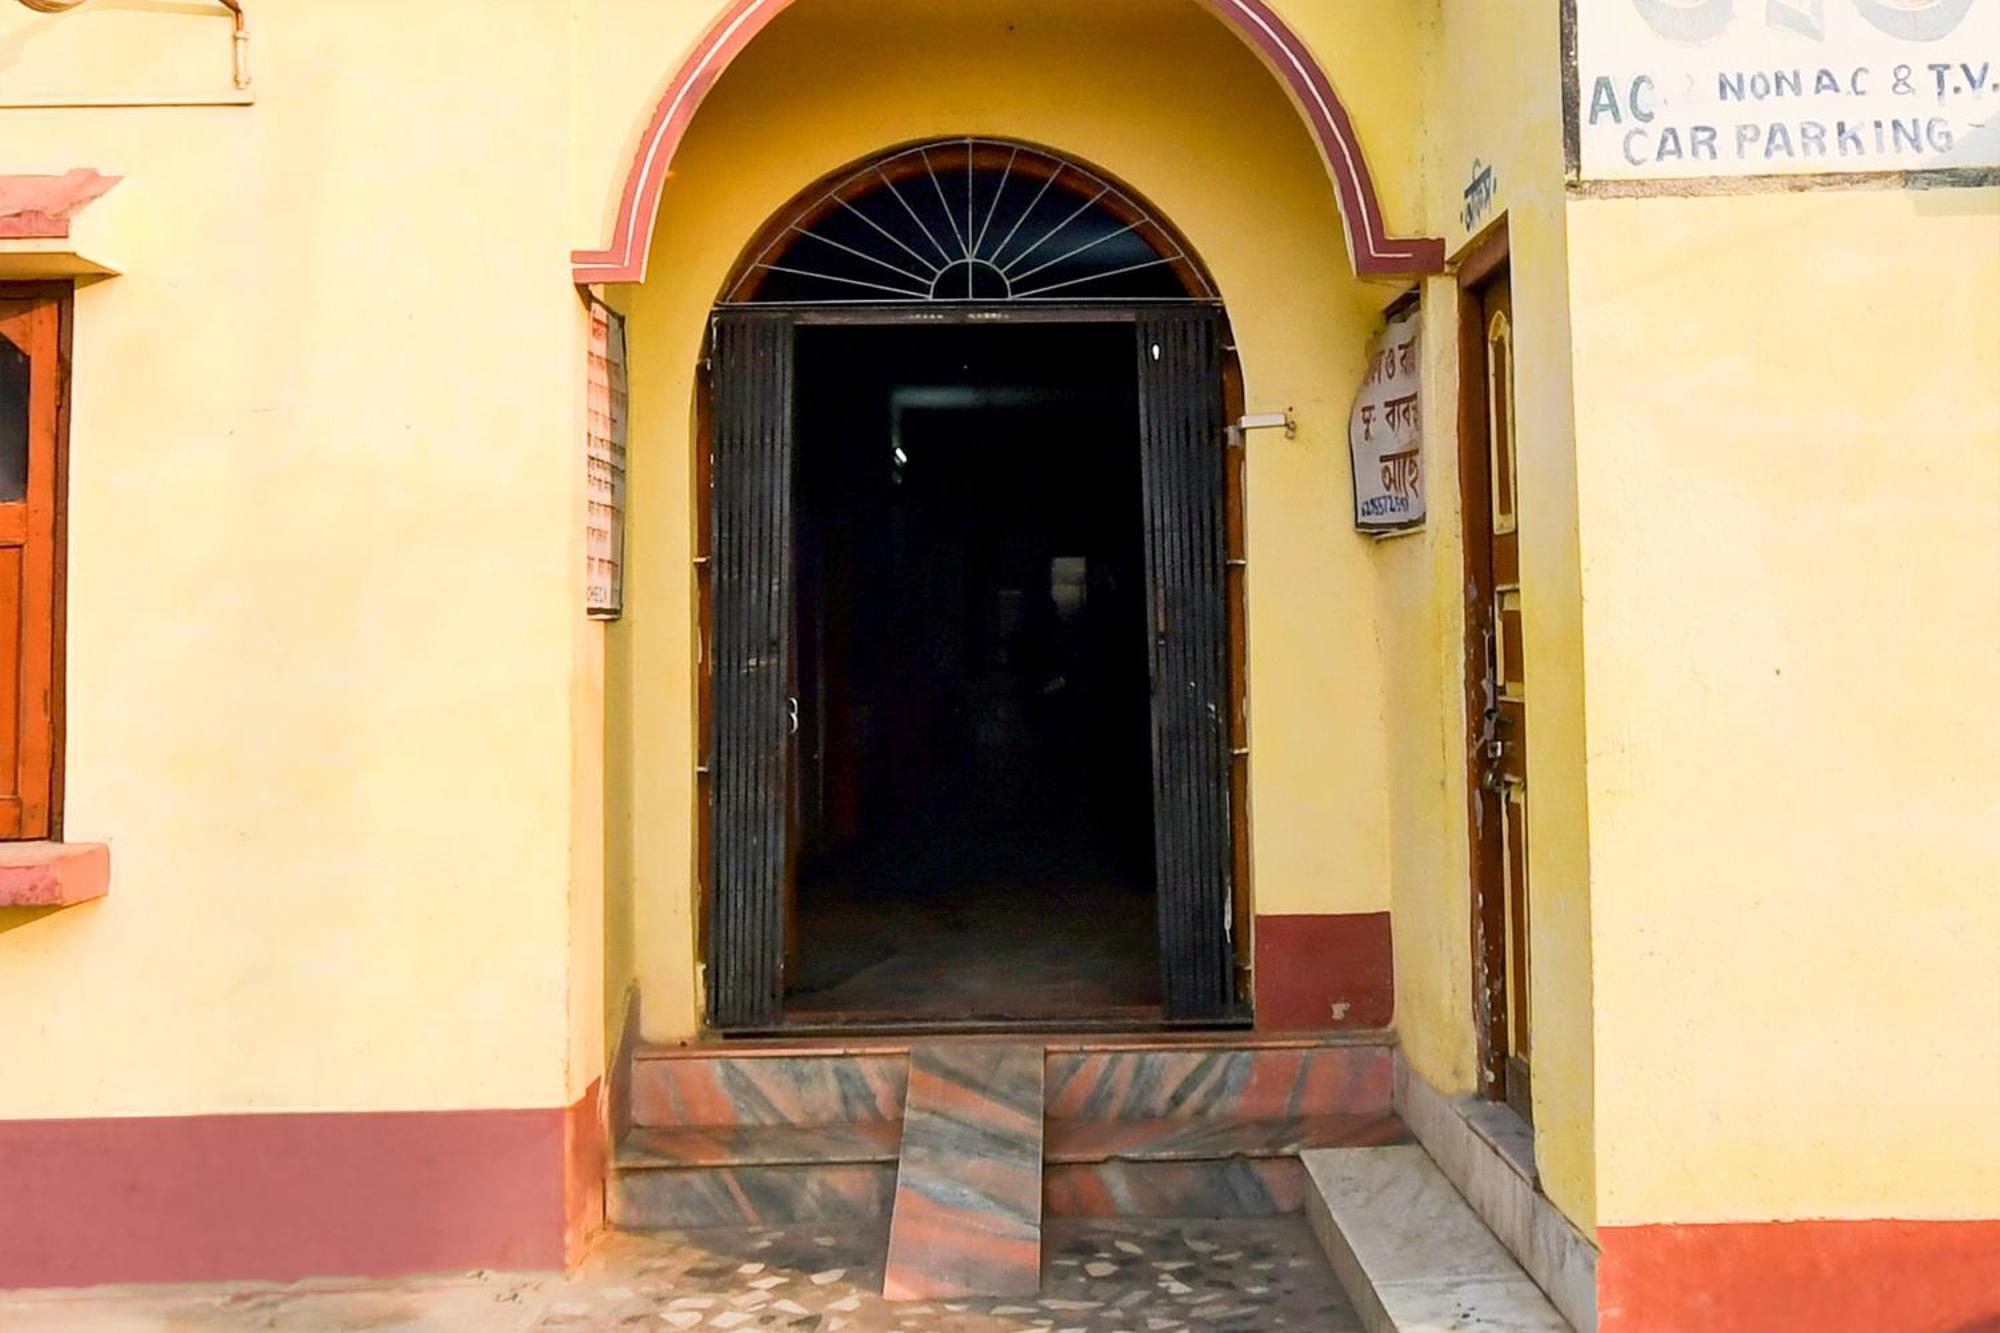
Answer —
(1500, 417)
(14, 379)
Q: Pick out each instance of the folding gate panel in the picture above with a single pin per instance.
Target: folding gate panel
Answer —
(751, 721)
(1183, 442)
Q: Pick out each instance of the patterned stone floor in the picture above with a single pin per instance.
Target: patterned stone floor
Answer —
(1122, 1276)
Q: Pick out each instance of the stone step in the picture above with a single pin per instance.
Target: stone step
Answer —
(1410, 1251)
(753, 1175)
(1263, 1082)
(677, 1198)
(1208, 1138)
(694, 1146)
(1193, 1166)
(1158, 1125)
(968, 1212)
(1232, 1187)
(680, 1088)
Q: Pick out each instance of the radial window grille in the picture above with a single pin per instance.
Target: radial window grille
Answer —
(969, 220)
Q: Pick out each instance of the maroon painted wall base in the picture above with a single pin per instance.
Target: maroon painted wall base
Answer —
(280, 1197)
(1826, 1276)
(586, 1162)
(1326, 971)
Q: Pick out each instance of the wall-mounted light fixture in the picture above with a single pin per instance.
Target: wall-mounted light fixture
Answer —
(240, 51)
(1240, 428)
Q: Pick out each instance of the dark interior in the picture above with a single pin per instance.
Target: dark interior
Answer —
(974, 779)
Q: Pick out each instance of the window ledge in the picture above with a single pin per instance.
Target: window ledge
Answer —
(53, 874)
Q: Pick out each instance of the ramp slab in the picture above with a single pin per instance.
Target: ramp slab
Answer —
(968, 1211)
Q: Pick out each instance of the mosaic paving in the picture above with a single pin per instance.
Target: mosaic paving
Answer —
(1112, 1276)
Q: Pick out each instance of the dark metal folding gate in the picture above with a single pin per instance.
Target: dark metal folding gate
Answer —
(753, 612)
(1182, 446)
(750, 723)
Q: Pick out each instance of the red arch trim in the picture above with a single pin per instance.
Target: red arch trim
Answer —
(1373, 251)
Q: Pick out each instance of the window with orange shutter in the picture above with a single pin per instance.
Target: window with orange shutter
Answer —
(31, 421)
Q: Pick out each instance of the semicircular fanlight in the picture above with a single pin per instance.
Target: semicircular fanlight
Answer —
(969, 220)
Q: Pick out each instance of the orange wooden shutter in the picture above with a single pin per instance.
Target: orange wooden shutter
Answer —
(30, 386)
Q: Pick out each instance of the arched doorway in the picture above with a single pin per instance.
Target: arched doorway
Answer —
(972, 710)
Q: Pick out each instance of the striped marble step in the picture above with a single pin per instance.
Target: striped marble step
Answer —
(676, 1088)
(1210, 1139)
(759, 1139)
(652, 1198)
(1193, 1166)
(1232, 1187)
(1238, 1083)
(754, 1175)
(695, 1146)
(968, 1212)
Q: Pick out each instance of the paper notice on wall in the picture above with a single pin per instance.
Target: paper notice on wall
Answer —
(1678, 89)
(605, 459)
(1386, 434)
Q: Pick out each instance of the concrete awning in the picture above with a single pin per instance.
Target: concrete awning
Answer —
(50, 229)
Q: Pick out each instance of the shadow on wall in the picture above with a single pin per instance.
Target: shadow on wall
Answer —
(13, 918)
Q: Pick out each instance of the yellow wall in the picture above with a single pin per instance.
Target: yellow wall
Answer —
(1789, 469)
(393, 826)
(1187, 116)
(329, 681)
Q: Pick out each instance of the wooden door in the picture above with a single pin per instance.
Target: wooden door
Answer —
(30, 404)
(1184, 445)
(753, 718)
(1497, 697)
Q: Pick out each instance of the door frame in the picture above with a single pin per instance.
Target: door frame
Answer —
(1485, 260)
(1236, 581)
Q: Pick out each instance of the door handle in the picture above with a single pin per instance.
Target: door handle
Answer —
(792, 714)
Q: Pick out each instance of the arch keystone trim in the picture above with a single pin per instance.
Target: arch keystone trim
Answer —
(1373, 252)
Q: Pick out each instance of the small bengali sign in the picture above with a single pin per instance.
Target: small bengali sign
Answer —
(604, 580)
(1385, 433)
(1677, 89)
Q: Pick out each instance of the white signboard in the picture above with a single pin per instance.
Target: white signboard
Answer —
(1678, 89)
(604, 457)
(1386, 434)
